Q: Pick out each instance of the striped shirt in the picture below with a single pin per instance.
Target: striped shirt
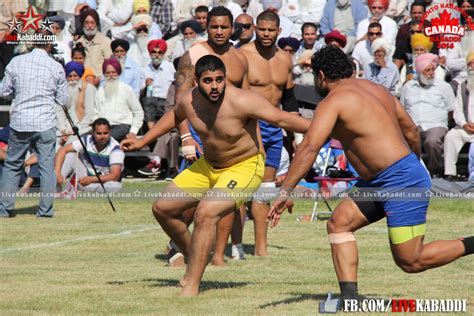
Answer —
(37, 83)
(110, 155)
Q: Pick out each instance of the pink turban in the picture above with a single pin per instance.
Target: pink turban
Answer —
(114, 63)
(384, 3)
(157, 43)
(424, 60)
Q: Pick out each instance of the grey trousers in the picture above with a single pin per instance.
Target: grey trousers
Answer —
(433, 143)
(167, 147)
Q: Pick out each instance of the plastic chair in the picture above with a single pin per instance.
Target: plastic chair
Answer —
(333, 144)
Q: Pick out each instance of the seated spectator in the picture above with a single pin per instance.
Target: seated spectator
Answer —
(362, 50)
(94, 42)
(118, 103)
(417, 10)
(62, 49)
(289, 45)
(303, 71)
(138, 48)
(285, 24)
(300, 12)
(335, 38)
(244, 22)
(126, 31)
(162, 13)
(471, 163)
(463, 132)
(78, 55)
(131, 71)
(428, 101)
(190, 32)
(420, 44)
(105, 154)
(309, 39)
(80, 104)
(115, 13)
(344, 16)
(159, 75)
(382, 70)
(377, 10)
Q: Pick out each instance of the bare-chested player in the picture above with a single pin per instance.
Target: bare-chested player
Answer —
(219, 30)
(230, 169)
(270, 76)
(374, 130)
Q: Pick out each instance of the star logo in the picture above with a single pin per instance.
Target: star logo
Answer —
(14, 25)
(428, 193)
(356, 193)
(137, 193)
(46, 25)
(30, 19)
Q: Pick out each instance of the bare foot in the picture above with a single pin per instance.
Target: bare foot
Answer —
(261, 253)
(178, 263)
(218, 262)
(182, 282)
(189, 291)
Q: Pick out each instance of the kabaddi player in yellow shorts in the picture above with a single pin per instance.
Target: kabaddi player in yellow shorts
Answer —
(231, 168)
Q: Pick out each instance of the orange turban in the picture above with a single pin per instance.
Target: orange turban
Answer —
(384, 3)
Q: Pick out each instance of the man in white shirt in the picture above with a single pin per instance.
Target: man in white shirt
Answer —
(105, 153)
(362, 50)
(377, 10)
(428, 101)
(463, 132)
(118, 103)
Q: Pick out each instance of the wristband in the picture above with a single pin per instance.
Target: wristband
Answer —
(188, 150)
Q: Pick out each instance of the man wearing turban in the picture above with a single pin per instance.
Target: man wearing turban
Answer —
(463, 115)
(131, 71)
(428, 100)
(81, 96)
(140, 37)
(382, 70)
(377, 10)
(118, 103)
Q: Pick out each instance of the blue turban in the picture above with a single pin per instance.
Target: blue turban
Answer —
(74, 66)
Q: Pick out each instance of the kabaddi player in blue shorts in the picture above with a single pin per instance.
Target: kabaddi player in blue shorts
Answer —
(382, 143)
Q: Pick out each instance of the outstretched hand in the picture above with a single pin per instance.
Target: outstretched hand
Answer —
(131, 144)
(279, 206)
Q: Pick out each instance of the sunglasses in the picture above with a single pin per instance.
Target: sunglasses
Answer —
(414, 32)
(142, 30)
(374, 33)
(374, 8)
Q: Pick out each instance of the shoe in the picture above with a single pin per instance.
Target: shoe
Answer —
(172, 174)
(175, 258)
(152, 169)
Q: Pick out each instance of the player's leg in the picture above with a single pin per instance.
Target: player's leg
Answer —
(260, 209)
(223, 230)
(412, 256)
(209, 211)
(348, 217)
(237, 232)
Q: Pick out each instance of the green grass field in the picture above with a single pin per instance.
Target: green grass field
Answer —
(88, 260)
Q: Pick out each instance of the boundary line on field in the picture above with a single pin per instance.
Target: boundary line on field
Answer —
(76, 240)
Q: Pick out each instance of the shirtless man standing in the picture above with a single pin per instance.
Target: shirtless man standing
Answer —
(230, 169)
(374, 130)
(219, 30)
(269, 76)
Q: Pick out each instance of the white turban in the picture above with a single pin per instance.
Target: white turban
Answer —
(272, 3)
(381, 43)
(145, 18)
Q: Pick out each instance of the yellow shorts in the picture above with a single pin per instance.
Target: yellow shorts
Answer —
(237, 182)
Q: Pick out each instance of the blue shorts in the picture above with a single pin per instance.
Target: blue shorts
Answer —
(401, 192)
(272, 138)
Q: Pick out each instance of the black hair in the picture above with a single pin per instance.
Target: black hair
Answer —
(100, 121)
(308, 24)
(332, 62)
(220, 11)
(201, 8)
(79, 50)
(414, 22)
(375, 24)
(269, 16)
(418, 3)
(208, 63)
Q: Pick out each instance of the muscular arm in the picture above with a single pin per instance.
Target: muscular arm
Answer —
(267, 112)
(325, 118)
(184, 81)
(409, 129)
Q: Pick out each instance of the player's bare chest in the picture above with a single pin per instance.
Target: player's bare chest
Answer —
(266, 72)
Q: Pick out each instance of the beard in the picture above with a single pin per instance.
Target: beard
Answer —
(307, 78)
(121, 61)
(90, 32)
(322, 91)
(142, 42)
(208, 97)
(187, 43)
(73, 88)
(425, 81)
(111, 87)
(470, 81)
